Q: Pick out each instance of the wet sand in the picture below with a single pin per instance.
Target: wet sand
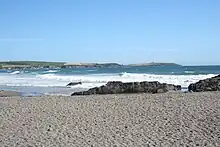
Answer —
(171, 119)
(9, 93)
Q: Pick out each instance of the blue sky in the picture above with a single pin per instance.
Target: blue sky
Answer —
(124, 31)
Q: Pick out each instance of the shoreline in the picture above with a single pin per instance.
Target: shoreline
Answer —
(41, 91)
(168, 119)
(11, 93)
(4, 93)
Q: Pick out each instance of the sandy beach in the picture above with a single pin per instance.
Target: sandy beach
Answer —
(171, 119)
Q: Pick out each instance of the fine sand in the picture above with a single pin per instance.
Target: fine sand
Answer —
(171, 119)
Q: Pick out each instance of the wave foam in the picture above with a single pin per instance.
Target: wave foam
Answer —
(15, 72)
(189, 72)
(89, 81)
(183, 80)
(51, 71)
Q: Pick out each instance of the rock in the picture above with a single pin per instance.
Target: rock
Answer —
(117, 87)
(73, 83)
(162, 90)
(210, 84)
(173, 87)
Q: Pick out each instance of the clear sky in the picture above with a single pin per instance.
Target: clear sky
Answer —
(125, 31)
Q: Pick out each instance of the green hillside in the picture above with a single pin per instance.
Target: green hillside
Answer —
(26, 64)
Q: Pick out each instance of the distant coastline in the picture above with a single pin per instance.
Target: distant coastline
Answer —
(155, 64)
(43, 64)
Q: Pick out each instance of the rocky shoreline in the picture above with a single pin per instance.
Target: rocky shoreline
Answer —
(117, 87)
(135, 119)
(210, 84)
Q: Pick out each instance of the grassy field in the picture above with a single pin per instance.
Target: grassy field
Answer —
(23, 64)
(28, 64)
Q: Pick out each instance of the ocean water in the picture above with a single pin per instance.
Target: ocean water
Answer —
(54, 81)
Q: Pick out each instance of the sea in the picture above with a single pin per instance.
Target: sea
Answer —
(35, 82)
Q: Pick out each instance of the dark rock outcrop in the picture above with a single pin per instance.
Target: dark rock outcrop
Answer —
(210, 84)
(73, 83)
(117, 87)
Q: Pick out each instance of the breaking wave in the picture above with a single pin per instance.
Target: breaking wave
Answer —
(15, 72)
(93, 80)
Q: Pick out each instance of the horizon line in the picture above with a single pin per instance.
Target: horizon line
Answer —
(136, 63)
